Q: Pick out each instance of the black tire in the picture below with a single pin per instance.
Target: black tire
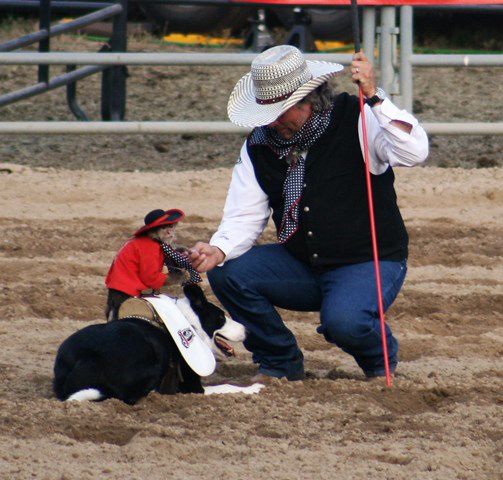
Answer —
(193, 19)
(326, 23)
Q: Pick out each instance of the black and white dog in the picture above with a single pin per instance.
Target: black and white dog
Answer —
(128, 358)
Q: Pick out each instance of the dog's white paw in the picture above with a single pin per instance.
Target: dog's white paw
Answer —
(255, 388)
(88, 394)
(226, 388)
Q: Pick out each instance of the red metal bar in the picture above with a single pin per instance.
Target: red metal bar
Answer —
(374, 3)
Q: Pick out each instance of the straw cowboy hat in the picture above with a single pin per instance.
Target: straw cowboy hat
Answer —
(160, 218)
(279, 78)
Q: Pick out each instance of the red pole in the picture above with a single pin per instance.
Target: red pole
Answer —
(375, 254)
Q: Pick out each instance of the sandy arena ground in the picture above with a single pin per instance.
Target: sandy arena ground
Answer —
(68, 203)
(441, 420)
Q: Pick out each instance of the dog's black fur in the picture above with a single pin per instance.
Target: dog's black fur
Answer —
(128, 358)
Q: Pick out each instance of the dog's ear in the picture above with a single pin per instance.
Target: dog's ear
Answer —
(196, 296)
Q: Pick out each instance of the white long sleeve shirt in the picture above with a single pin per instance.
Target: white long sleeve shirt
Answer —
(247, 210)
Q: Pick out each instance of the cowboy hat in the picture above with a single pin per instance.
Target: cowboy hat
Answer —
(160, 218)
(278, 79)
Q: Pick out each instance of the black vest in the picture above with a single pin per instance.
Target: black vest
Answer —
(334, 225)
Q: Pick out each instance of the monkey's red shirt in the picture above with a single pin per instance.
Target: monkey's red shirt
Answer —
(136, 267)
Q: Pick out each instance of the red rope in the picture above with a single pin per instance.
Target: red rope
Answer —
(374, 239)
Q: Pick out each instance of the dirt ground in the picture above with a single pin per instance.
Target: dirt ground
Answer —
(69, 202)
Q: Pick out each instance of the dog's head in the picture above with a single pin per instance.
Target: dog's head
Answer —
(211, 322)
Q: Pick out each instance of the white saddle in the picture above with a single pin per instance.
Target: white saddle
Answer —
(192, 347)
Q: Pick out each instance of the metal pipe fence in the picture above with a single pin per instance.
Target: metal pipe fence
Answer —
(203, 128)
(61, 28)
(55, 82)
(113, 98)
(453, 60)
(119, 58)
(369, 32)
(396, 76)
(406, 50)
(403, 95)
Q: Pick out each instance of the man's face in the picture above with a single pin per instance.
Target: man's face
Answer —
(292, 120)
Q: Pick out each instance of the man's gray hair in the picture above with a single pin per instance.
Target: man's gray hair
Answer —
(323, 97)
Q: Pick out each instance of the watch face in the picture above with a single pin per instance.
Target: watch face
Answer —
(379, 96)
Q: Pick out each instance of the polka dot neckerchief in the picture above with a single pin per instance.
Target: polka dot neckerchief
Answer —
(290, 150)
(176, 261)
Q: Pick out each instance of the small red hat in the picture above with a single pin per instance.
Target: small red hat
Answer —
(159, 218)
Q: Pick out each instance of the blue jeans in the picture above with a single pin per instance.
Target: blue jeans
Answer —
(268, 276)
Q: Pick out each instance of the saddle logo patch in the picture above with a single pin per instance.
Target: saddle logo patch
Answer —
(187, 335)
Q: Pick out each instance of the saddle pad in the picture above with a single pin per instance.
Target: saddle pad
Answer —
(192, 347)
(136, 308)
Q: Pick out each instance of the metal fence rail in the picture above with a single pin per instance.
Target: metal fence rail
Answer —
(453, 60)
(202, 128)
(55, 82)
(226, 59)
(117, 58)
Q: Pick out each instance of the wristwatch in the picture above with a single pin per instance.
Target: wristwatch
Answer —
(379, 96)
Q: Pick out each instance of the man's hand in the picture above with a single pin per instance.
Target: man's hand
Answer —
(363, 74)
(204, 256)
